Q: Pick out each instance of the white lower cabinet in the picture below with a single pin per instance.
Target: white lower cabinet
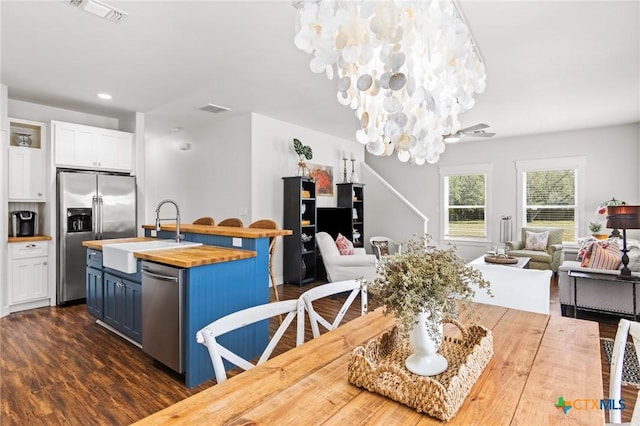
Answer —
(28, 274)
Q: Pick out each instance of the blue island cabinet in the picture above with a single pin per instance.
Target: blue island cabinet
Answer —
(211, 292)
(123, 305)
(114, 297)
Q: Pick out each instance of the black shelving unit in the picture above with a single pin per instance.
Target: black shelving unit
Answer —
(299, 258)
(351, 195)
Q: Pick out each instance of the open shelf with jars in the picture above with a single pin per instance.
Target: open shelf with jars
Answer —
(299, 260)
(351, 195)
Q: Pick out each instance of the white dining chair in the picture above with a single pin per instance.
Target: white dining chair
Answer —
(355, 287)
(625, 328)
(207, 335)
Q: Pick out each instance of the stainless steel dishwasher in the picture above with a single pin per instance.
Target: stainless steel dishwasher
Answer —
(162, 314)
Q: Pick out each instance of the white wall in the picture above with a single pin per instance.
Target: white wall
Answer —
(44, 113)
(273, 157)
(236, 164)
(211, 178)
(611, 170)
(386, 213)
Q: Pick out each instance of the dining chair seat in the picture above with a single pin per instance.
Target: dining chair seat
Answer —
(217, 352)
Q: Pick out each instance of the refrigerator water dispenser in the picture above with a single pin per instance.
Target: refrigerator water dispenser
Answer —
(79, 220)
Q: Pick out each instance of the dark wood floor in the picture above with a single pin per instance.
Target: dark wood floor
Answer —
(57, 366)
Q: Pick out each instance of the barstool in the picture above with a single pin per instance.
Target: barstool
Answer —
(269, 224)
(232, 221)
(204, 221)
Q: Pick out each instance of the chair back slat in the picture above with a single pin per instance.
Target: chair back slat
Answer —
(625, 328)
(355, 287)
(217, 352)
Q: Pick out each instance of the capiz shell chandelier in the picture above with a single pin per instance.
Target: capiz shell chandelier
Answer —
(407, 69)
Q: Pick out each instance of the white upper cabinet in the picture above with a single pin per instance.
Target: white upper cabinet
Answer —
(87, 147)
(26, 160)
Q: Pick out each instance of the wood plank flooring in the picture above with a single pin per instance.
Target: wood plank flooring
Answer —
(57, 366)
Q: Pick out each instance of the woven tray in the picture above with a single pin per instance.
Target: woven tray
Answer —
(501, 259)
(379, 367)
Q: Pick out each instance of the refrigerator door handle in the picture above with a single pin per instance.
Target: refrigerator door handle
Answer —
(94, 217)
(101, 204)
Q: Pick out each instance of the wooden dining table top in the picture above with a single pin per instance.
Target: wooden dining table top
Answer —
(537, 360)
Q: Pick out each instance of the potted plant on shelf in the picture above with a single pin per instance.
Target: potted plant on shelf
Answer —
(304, 153)
(420, 287)
(595, 228)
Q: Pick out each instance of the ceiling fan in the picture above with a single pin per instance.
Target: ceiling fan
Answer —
(472, 131)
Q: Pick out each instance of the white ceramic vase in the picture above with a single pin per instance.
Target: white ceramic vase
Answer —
(425, 360)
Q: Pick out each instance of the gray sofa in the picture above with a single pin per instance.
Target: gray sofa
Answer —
(598, 291)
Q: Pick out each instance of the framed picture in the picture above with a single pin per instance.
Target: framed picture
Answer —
(323, 175)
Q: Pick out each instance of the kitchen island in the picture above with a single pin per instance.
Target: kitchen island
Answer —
(219, 279)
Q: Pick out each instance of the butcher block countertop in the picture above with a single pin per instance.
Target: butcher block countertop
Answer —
(27, 239)
(187, 257)
(194, 256)
(227, 231)
(97, 244)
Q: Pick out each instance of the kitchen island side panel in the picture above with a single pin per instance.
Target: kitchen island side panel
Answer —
(213, 291)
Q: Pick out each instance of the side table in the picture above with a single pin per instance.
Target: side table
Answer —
(613, 278)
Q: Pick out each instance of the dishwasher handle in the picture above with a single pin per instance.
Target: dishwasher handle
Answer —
(160, 277)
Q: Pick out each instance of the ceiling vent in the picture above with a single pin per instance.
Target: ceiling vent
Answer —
(213, 108)
(100, 9)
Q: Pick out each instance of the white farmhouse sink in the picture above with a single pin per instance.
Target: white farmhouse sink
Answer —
(120, 256)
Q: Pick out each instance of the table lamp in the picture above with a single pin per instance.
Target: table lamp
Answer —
(602, 210)
(624, 217)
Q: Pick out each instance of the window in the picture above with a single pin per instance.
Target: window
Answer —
(465, 202)
(550, 194)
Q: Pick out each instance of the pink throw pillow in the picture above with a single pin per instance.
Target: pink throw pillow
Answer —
(345, 247)
(609, 245)
(602, 258)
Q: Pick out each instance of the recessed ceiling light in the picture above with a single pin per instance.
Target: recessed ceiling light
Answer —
(104, 96)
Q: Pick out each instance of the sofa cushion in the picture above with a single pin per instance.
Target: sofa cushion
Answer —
(634, 259)
(535, 255)
(571, 265)
(345, 247)
(601, 258)
(536, 241)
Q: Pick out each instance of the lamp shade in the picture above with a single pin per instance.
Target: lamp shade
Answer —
(623, 217)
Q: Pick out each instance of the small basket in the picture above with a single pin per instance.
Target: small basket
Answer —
(504, 260)
(379, 367)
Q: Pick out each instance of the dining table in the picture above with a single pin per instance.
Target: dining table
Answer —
(541, 365)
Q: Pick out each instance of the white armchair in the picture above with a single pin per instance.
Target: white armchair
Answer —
(347, 267)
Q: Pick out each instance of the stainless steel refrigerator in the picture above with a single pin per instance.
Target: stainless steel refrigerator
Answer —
(91, 206)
